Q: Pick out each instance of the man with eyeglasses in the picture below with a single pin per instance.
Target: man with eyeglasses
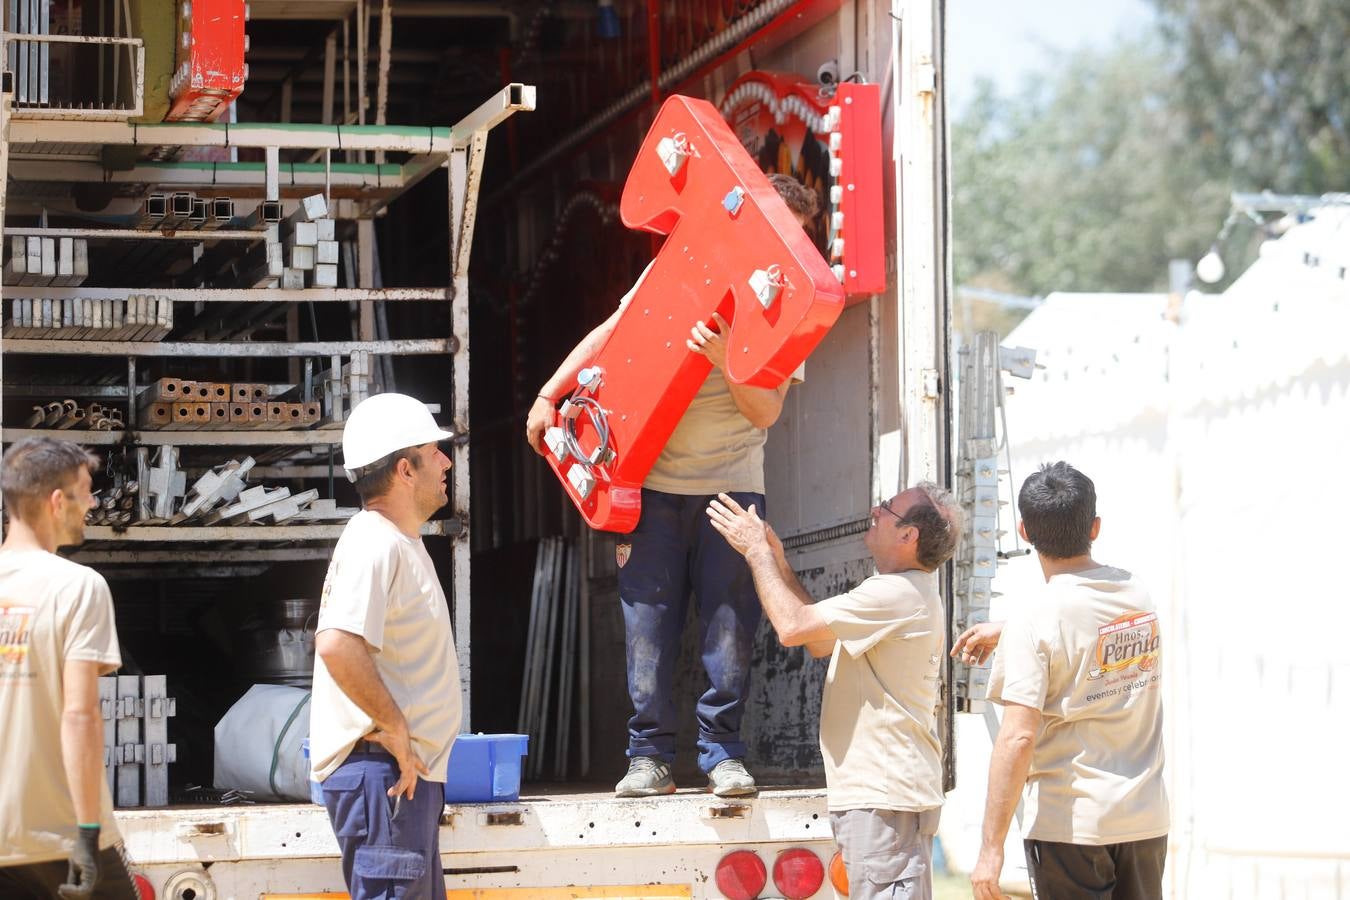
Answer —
(885, 638)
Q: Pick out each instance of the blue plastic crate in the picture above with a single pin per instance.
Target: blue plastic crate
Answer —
(485, 768)
(315, 789)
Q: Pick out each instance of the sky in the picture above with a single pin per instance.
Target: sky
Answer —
(1007, 39)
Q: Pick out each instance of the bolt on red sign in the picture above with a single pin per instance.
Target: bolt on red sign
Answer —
(733, 248)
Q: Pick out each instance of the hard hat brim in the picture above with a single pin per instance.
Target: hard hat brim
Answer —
(430, 436)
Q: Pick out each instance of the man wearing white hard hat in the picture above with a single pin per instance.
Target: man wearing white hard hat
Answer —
(386, 703)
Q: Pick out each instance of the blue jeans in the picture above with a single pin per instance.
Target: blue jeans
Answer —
(673, 549)
(390, 848)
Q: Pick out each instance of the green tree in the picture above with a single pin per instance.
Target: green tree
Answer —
(1266, 88)
(1084, 179)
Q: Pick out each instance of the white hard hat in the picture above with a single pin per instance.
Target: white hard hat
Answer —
(383, 424)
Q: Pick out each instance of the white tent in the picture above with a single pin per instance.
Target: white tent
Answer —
(1211, 430)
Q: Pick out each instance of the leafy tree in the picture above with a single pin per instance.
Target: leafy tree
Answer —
(1265, 87)
(1083, 179)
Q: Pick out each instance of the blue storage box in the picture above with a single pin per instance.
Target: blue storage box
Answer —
(485, 768)
(315, 789)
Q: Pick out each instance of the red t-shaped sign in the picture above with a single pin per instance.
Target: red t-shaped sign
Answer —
(734, 248)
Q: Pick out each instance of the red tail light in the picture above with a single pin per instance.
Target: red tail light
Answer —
(741, 875)
(798, 873)
(839, 874)
(143, 887)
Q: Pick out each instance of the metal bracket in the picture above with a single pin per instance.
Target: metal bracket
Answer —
(766, 285)
(674, 152)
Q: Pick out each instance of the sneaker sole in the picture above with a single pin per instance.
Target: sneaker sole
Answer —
(645, 792)
(734, 791)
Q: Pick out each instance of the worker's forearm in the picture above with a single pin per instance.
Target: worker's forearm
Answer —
(565, 377)
(1008, 767)
(354, 672)
(82, 756)
(760, 406)
(782, 597)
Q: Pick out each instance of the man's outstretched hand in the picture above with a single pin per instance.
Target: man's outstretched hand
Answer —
(977, 642)
(744, 529)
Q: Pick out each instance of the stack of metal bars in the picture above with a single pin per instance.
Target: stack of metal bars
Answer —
(550, 650)
(138, 317)
(30, 61)
(136, 748)
(36, 260)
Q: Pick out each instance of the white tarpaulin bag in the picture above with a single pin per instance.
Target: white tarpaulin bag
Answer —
(258, 744)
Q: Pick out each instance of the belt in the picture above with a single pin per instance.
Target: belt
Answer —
(370, 747)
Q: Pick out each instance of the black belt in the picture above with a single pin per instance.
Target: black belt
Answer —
(370, 747)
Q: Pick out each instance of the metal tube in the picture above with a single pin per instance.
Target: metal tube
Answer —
(124, 234)
(382, 86)
(271, 167)
(329, 76)
(521, 722)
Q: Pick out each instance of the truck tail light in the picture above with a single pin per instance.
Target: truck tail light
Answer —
(798, 873)
(143, 887)
(741, 875)
(839, 874)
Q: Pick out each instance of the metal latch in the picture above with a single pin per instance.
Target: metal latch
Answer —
(674, 152)
(766, 285)
(582, 482)
(555, 439)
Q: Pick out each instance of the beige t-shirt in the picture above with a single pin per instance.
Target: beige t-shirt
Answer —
(382, 586)
(1085, 652)
(713, 448)
(51, 610)
(878, 726)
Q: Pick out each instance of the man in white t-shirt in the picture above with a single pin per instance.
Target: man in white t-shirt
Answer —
(57, 834)
(878, 721)
(718, 446)
(386, 703)
(1077, 672)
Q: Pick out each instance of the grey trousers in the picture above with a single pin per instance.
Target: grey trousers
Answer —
(888, 854)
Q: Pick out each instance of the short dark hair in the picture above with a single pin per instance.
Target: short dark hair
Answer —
(939, 523)
(798, 197)
(34, 467)
(373, 480)
(1058, 505)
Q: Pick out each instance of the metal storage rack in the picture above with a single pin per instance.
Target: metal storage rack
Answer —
(44, 151)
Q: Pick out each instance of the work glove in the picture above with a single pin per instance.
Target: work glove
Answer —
(82, 877)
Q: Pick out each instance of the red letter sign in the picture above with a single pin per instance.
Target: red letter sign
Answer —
(733, 248)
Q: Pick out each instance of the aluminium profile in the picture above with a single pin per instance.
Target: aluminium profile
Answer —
(153, 212)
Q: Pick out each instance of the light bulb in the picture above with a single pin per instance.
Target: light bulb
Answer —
(1210, 267)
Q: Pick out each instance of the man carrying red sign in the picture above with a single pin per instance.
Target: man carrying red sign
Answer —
(718, 446)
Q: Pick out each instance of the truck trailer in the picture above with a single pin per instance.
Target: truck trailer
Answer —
(199, 287)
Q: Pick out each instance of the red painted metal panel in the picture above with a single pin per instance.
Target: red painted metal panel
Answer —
(210, 70)
(647, 376)
(863, 229)
(791, 125)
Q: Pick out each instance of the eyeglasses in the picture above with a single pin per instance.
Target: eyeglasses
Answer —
(922, 509)
(886, 505)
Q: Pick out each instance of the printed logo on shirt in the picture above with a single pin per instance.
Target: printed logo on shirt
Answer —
(327, 585)
(15, 634)
(1129, 640)
(621, 554)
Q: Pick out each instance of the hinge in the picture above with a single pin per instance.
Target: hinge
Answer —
(929, 383)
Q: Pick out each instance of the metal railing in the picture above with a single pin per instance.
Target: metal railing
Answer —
(62, 76)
